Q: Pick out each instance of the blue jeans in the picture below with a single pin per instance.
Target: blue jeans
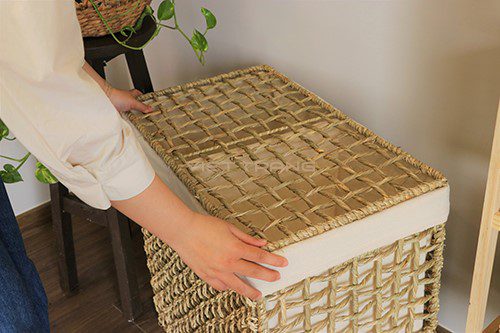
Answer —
(23, 303)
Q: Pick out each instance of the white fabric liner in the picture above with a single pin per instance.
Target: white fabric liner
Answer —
(315, 255)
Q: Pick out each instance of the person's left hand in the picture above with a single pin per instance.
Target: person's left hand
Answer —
(125, 100)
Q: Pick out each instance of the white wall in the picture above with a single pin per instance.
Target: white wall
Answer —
(423, 74)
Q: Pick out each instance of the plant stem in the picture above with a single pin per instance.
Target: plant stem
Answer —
(23, 160)
(177, 27)
(11, 158)
(177, 24)
(166, 26)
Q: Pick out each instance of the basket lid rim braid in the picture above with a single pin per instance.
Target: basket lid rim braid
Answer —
(435, 178)
(118, 13)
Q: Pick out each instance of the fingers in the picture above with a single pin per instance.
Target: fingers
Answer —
(247, 238)
(135, 92)
(242, 288)
(256, 254)
(136, 105)
(217, 284)
(141, 107)
(256, 271)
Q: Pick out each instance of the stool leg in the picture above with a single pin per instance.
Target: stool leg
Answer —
(98, 66)
(139, 71)
(63, 231)
(124, 263)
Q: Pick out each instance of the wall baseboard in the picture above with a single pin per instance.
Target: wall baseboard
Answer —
(35, 216)
(441, 329)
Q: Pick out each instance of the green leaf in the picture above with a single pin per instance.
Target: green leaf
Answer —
(44, 175)
(10, 175)
(148, 11)
(4, 130)
(199, 42)
(9, 167)
(138, 24)
(165, 10)
(209, 18)
(4, 176)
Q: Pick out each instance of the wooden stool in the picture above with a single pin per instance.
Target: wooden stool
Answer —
(97, 52)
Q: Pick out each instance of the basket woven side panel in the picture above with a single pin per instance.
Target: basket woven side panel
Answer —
(390, 289)
(118, 14)
(185, 303)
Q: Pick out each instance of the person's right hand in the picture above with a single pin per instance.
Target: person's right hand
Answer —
(217, 252)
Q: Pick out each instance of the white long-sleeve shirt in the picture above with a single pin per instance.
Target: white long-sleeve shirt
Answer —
(57, 111)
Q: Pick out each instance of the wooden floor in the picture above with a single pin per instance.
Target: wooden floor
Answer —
(96, 307)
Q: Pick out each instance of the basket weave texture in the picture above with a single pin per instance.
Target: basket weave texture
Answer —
(118, 14)
(345, 298)
(265, 154)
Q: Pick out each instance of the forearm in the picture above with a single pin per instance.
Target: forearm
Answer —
(105, 86)
(158, 210)
(215, 250)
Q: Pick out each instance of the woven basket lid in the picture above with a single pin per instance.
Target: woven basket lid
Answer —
(265, 154)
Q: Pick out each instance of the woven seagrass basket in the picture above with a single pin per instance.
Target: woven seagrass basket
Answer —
(229, 139)
(118, 14)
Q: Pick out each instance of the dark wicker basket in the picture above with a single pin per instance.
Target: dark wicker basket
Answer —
(118, 14)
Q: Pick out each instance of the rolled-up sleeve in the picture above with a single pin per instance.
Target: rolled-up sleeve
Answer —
(58, 112)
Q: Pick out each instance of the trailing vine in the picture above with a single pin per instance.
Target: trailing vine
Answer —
(166, 12)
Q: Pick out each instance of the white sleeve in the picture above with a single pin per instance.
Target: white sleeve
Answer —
(58, 112)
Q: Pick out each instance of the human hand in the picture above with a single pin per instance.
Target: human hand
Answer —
(125, 100)
(218, 252)
(214, 249)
